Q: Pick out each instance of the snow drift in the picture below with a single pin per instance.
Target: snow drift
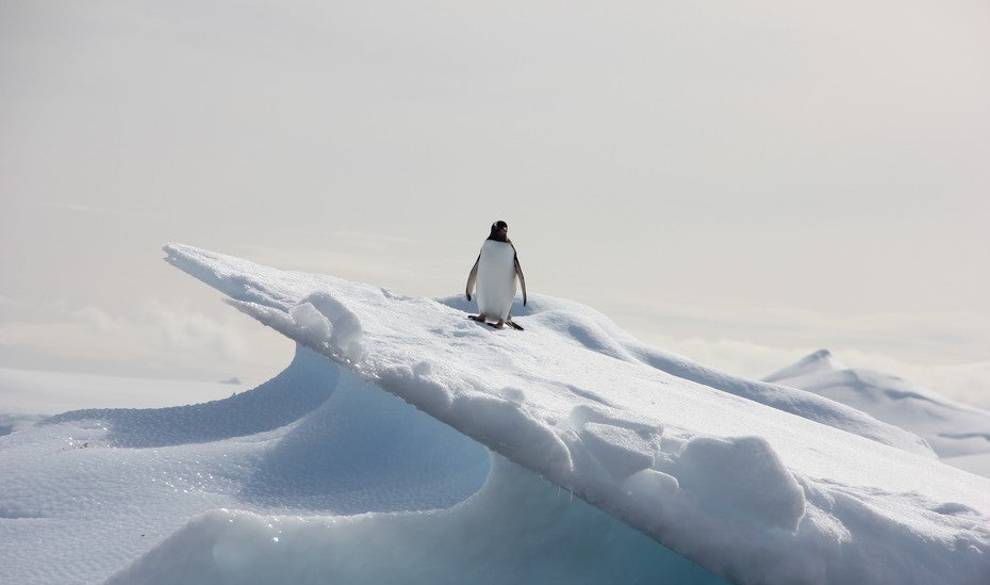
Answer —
(758, 482)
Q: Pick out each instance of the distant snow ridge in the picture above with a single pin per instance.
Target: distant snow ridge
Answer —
(951, 428)
(717, 467)
(821, 362)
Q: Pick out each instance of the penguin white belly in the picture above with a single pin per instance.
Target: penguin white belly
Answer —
(496, 279)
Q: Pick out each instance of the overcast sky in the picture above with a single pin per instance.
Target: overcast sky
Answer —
(739, 182)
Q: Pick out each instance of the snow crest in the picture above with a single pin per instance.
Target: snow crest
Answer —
(318, 321)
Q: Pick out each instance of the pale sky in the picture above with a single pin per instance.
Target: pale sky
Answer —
(739, 182)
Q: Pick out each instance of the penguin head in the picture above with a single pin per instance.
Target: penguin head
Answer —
(500, 231)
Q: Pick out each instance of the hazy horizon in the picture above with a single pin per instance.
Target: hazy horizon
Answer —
(742, 184)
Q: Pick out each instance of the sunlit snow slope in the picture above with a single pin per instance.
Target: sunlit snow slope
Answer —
(758, 482)
(952, 429)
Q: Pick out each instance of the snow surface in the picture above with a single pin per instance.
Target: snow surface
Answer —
(758, 482)
(361, 488)
(951, 428)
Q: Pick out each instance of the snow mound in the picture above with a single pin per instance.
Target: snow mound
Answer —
(737, 482)
(622, 451)
(755, 486)
(318, 321)
(515, 431)
(951, 428)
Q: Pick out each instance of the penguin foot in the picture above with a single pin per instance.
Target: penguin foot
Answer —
(499, 325)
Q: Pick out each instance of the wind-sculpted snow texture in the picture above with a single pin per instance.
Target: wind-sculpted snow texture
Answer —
(758, 482)
(952, 429)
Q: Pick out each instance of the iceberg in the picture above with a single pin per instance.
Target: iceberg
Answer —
(759, 483)
(406, 443)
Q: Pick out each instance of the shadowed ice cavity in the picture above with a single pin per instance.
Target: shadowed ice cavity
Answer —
(517, 529)
(305, 384)
(365, 450)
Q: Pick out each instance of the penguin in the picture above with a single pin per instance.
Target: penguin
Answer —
(495, 272)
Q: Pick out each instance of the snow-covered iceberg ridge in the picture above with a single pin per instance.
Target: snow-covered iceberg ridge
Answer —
(757, 482)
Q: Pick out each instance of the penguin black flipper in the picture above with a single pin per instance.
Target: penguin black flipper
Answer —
(472, 279)
(515, 325)
(519, 273)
